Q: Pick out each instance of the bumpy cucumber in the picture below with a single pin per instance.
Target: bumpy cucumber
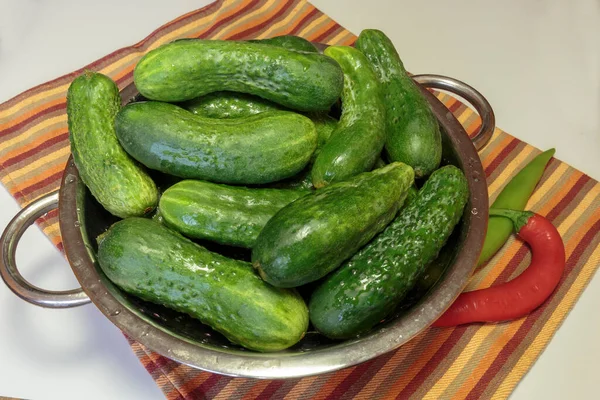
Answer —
(157, 264)
(231, 215)
(366, 288)
(229, 105)
(311, 237)
(185, 69)
(290, 42)
(359, 137)
(239, 105)
(413, 133)
(262, 148)
(114, 179)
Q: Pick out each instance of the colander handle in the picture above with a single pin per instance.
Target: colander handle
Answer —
(459, 88)
(8, 267)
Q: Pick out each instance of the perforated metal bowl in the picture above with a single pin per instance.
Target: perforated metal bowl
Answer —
(186, 340)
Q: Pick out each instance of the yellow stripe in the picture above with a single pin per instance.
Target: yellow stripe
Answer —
(462, 118)
(514, 165)
(265, 9)
(540, 193)
(40, 163)
(581, 208)
(52, 230)
(338, 38)
(44, 95)
(59, 120)
(323, 18)
(542, 339)
(282, 25)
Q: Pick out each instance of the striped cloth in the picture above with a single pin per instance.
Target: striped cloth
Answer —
(477, 361)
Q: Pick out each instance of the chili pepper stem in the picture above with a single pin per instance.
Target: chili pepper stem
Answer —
(518, 218)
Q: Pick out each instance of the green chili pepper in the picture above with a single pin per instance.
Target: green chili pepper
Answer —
(514, 196)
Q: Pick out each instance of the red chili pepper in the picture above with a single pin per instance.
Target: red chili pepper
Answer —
(525, 293)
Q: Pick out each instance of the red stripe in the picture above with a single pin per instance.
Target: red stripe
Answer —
(52, 179)
(214, 390)
(31, 152)
(500, 157)
(159, 364)
(343, 386)
(128, 77)
(475, 129)
(581, 182)
(520, 335)
(328, 32)
(433, 363)
(56, 107)
(455, 106)
(304, 21)
(243, 10)
(366, 371)
(271, 388)
(248, 32)
(199, 392)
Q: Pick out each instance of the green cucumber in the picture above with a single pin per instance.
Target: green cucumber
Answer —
(229, 105)
(262, 148)
(156, 264)
(117, 181)
(412, 131)
(368, 287)
(357, 141)
(238, 105)
(290, 42)
(186, 69)
(311, 237)
(379, 163)
(301, 180)
(231, 215)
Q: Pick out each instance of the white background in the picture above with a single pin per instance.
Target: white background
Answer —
(537, 62)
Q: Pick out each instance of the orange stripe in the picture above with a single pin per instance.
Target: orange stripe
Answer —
(492, 155)
(285, 26)
(268, 10)
(42, 175)
(34, 143)
(36, 112)
(416, 365)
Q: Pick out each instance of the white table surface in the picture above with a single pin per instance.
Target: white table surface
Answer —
(537, 62)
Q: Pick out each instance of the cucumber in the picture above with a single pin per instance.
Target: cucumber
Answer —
(231, 215)
(412, 131)
(117, 181)
(229, 105)
(311, 237)
(290, 42)
(368, 287)
(238, 105)
(379, 163)
(301, 180)
(186, 69)
(262, 148)
(153, 262)
(357, 141)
